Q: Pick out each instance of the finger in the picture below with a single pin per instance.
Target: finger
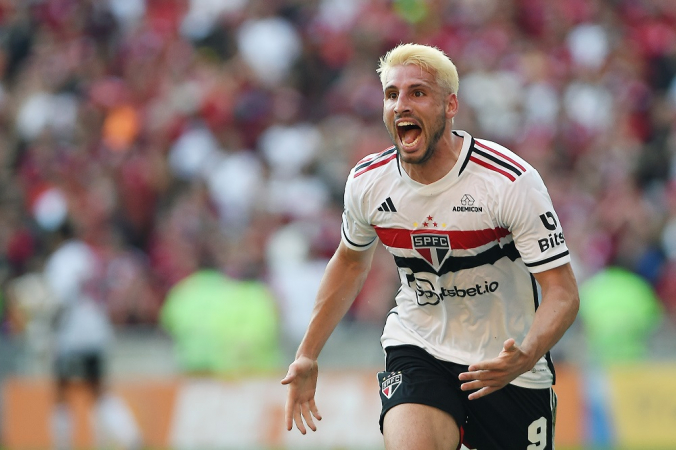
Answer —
(468, 376)
(476, 374)
(509, 345)
(471, 385)
(480, 371)
(483, 366)
(289, 377)
(288, 415)
(315, 410)
(482, 392)
(305, 411)
(483, 387)
(299, 420)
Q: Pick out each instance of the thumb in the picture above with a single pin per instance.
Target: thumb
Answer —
(509, 345)
(288, 378)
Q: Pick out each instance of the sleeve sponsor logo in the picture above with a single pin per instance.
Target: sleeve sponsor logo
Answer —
(548, 221)
(553, 239)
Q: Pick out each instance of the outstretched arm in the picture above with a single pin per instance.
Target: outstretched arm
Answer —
(344, 277)
(560, 303)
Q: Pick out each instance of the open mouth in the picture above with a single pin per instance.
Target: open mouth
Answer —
(409, 133)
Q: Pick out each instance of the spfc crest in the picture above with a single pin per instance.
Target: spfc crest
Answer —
(390, 384)
(434, 248)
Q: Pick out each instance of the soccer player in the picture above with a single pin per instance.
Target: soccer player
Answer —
(486, 283)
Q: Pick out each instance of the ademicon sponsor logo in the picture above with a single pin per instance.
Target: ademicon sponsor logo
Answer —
(467, 202)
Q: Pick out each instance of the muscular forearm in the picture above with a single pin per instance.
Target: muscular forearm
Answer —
(557, 311)
(342, 281)
(551, 321)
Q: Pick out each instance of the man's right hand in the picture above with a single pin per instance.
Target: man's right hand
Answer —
(300, 401)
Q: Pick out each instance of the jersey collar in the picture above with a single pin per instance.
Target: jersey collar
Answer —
(452, 176)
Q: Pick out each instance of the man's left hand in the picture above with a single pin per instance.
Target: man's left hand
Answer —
(494, 374)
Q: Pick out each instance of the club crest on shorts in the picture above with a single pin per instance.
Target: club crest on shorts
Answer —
(390, 384)
(434, 248)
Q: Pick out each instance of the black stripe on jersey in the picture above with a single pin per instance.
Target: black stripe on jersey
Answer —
(368, 163)
(504, 164)
(536, 301)
(469, 153)
(457, 263)
(550, 364)
(391, 311)
(545, 261)
(353, 243)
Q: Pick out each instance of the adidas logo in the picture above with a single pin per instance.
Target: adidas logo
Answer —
(387, 205)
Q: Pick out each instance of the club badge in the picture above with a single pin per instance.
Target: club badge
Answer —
(432, 247)
(390, 384)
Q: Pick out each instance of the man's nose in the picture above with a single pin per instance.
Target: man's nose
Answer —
(401, 105)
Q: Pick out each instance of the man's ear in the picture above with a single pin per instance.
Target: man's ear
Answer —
(451, 105)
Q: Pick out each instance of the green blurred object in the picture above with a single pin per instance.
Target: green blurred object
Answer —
(412, 11)
(620, 311)
(221, 325)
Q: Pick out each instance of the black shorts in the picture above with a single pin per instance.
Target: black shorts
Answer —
(85, 366)
(510, 418)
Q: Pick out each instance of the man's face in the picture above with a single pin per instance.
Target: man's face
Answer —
(414, 112)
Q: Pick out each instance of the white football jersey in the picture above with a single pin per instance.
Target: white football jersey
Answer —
(465, 247)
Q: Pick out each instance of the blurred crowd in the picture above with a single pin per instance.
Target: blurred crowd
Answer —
(170, 136)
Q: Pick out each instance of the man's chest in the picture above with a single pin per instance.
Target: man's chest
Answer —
(468, 208)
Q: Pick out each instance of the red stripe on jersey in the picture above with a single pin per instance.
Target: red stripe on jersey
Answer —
(491, 167)
(401, 238)
(368, 158)
(375, 165)
(372, 157)
(494, 151)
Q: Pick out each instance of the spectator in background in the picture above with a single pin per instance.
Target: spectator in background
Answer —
(619, 312)
(222, 326)
(137, 101)
(82, 337)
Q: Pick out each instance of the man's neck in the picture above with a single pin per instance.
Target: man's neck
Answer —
(438, 166)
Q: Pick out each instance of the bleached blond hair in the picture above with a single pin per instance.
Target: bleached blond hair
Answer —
(426, 57)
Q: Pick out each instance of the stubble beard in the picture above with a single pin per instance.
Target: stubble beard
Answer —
(431, 145)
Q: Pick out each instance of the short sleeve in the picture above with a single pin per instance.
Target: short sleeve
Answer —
(356, 231)
(527, 211)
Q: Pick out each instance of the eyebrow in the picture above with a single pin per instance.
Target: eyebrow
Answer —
(413, 86)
